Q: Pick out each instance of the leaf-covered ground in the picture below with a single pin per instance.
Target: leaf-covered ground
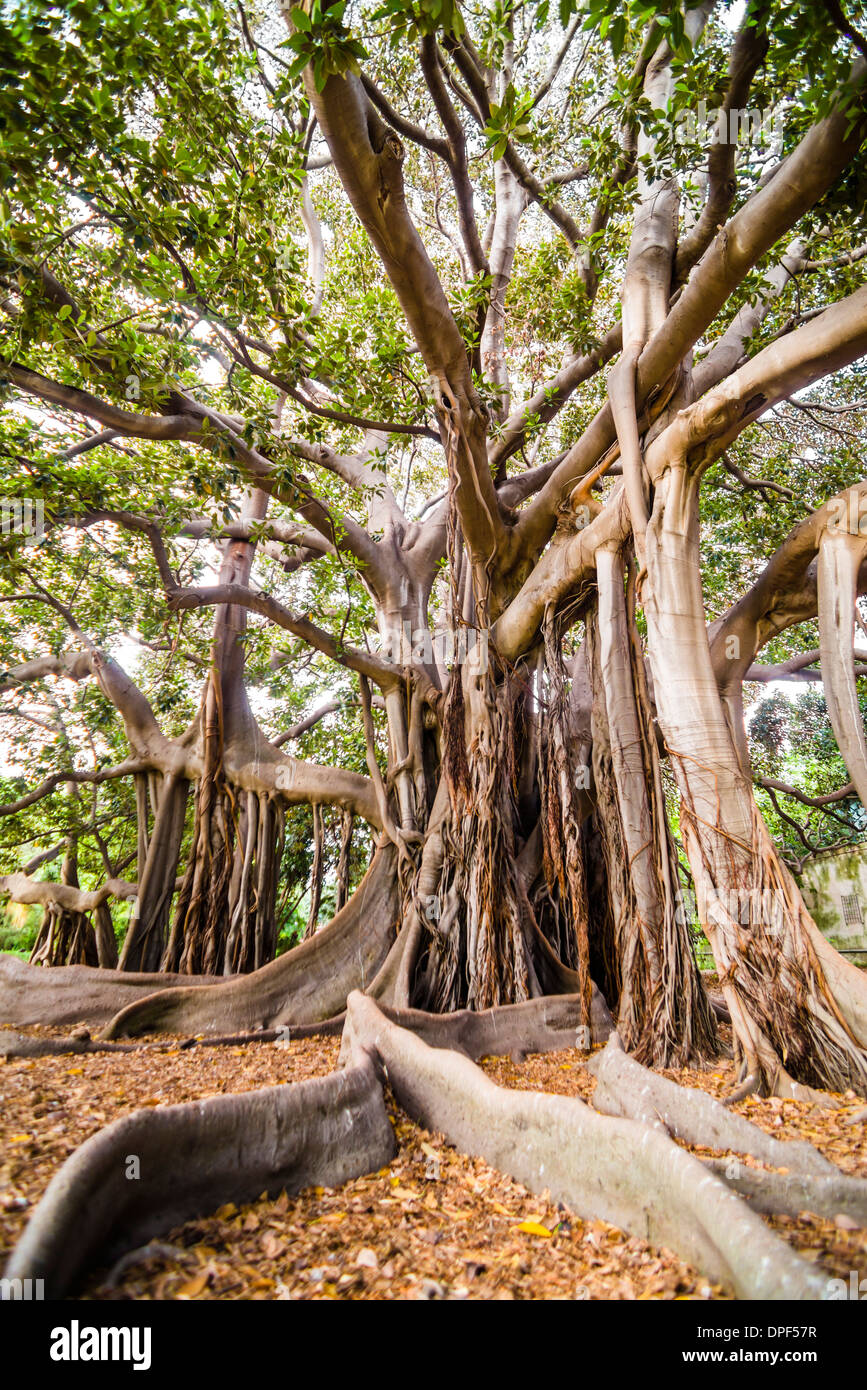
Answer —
(433, 1224)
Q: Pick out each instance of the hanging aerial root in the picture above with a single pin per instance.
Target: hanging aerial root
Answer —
(663, 1014)
(562, 815)
(616, 1170)
(625, 1088)
(307, 984)
(798, 1018)
(197, 940)
(78, 993)
(477, 954)
(190, 1159)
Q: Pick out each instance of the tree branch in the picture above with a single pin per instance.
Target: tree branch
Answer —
(106, 774)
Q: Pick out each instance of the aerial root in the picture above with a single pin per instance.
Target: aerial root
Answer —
(192, 1158)
(624, 1087)
(629, 1174)
(538, 1025)
(326, 1028)
(306, 985)
(719, 1005)
(751, 1083)
(14, 1044)
(155, 1249)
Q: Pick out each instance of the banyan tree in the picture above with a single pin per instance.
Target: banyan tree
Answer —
(462, 398)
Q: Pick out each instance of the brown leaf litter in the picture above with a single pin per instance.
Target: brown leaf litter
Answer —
(434, 1224)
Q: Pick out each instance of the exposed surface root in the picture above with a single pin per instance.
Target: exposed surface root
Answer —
(14, 1044)
(625, 1173)
(792, 1193)
(307, 984)
(327, 1028)
(537, 1025)
(192, 1158)
(77, 993)
(626, 1088)
(25, 1045)
(433, 1214)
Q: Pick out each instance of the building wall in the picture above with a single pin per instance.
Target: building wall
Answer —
(834, 884)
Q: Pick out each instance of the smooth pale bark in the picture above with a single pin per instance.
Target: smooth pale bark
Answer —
(22, 889)
(773, 210)
(192, 1158)
(598, 1166)
(307, 984)
(733, 862)
(77, 993)
(794, 1193)
(510, 204)
(548, 1024)
(145, 939)
(840, 558)
(626, 751)
(468, 734)
(368, 158)
(624, 1087)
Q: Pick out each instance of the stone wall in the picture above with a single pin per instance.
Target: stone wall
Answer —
(834, 884)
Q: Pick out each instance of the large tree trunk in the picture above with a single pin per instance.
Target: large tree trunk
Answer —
(663, 1013)
(790, 1021)
(144, 945)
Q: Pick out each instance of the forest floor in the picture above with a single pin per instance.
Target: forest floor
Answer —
(434, 1224)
